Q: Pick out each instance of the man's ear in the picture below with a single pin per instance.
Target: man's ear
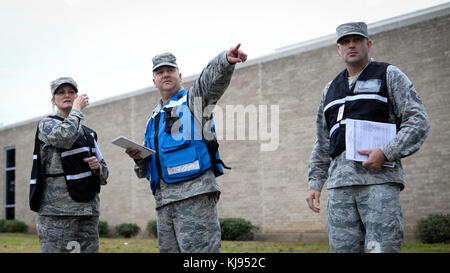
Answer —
(339, 49)
(369, 44)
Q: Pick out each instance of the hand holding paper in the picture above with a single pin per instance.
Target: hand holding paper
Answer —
(363, 139)
(93, 162)
(376, 158)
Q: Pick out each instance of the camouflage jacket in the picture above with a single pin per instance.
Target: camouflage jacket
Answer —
(62, 134)
(207, 89)
(405, 109)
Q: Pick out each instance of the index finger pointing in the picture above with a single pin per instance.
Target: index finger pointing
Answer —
(236, 48)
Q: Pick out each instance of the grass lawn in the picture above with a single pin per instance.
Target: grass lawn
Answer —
(29, 243)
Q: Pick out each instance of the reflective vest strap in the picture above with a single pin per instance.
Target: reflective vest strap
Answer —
(78, 176)
(336, 126)
(174, 103)
(356, 97)
(184, 168)
(75, 151)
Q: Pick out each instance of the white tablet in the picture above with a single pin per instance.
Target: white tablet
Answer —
(125, 143)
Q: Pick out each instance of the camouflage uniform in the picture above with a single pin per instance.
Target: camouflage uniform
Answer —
(369, 216)
(190, 225)
(187, 211)
(62, 220)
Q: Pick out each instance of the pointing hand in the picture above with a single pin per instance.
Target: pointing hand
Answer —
(235, 55)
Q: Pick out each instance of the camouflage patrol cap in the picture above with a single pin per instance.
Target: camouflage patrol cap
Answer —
(54, 85)
(356, 28)
(164, 59)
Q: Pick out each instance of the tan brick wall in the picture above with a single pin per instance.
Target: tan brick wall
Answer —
(269, 188)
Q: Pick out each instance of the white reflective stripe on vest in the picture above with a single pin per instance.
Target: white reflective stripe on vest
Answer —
(355, 97)
(33, 181)
(184, 168)
(174, 103)
(336, 126)
(171, 104)
(78, 176)
(75, 151)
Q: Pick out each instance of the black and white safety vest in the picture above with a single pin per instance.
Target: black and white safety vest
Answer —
(367, 100)
(81, 182)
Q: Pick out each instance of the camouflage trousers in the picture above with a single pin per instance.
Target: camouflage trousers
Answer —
(190, 225)
(63, 234)
(365, 218)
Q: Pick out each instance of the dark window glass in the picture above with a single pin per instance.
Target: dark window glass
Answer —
(9, 213)
(10, 183)
(10, 187)
(10, 158)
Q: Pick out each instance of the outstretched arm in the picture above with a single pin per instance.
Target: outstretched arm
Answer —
(215, 78)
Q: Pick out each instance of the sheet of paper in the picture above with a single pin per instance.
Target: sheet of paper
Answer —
(363, 135)
(124, 142)
(98, 153)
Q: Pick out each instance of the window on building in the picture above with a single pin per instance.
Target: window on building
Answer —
(10, 178)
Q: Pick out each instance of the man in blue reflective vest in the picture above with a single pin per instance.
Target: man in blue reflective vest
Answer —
(363, 206)
(182, 171)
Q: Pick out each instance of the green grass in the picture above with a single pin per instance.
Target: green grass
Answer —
(29, 243)
(273, 247)
(426, 248)
(18, 243)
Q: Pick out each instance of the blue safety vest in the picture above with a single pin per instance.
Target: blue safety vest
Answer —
(182, 152)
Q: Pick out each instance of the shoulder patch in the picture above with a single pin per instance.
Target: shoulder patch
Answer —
(48, 125)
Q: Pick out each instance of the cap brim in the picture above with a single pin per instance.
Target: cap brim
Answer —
(164, 64)
(352, 33)
(71, 83)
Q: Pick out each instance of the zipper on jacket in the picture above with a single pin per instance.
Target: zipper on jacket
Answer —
(155, 137)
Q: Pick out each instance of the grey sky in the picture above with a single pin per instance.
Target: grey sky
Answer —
(107, 45)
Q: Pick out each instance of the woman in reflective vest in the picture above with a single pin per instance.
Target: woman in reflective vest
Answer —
(67, 172)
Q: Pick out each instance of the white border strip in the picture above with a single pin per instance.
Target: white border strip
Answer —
(75, 151)
(355, 97)
(78, 176)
